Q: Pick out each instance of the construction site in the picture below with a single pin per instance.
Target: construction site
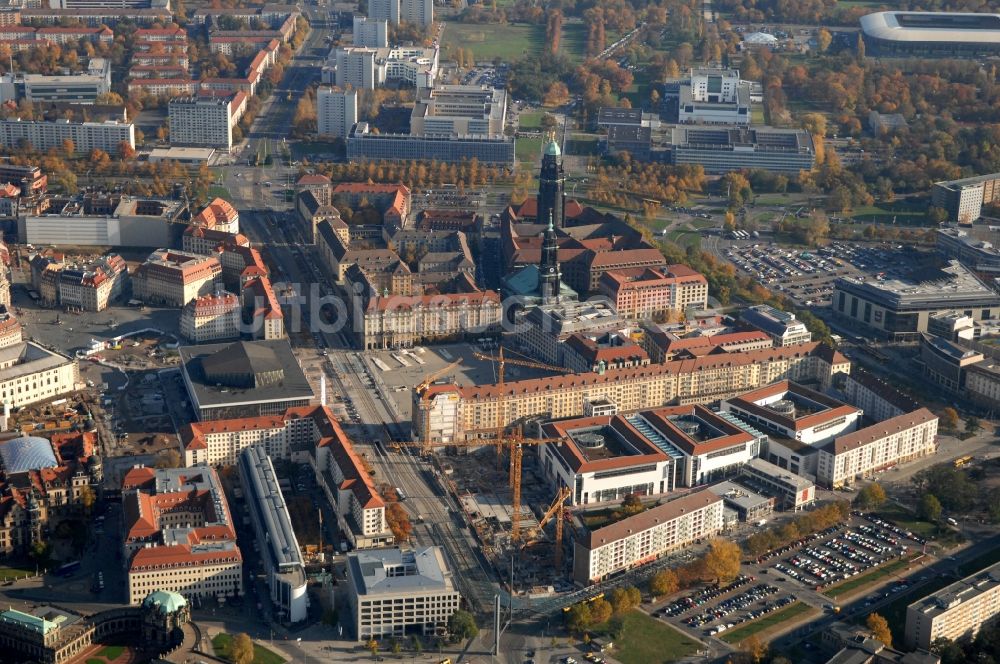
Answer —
(483, 489)
(512, 509)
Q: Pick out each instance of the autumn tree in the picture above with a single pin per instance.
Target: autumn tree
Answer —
(879, 627)
(623, 600)
(753, 649)
(823, 40)
(87, 498)
(949, 418)
(241, 650)
(600, 611)
(305, 116)
(722, 560)
(110, 98)
(169, 458)
(664, 582)
(870, 496)
(556, 95)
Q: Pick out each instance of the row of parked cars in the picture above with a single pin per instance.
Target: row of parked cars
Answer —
(792, 546)
(768, 607)
(848, 554)
(703, 596)
(891, 527)
(742, 601)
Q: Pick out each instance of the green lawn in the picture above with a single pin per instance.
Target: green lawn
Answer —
(530, 120)
(111, 653)
(216, 191)
(757, 114)
(528, 149)
(574, 41)
(767, 622)
(8, 573)
(645, 640)
(864, 580)
(583, 145)
(507, 42)
(907, 520)
(885, 214)
(261, 655)
(93, 660)
(684, 238)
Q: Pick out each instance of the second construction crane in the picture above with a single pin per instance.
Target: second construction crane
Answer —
(516, 442)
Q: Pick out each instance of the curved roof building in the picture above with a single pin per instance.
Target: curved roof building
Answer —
(20, 455)
(165, 600)
(931, 34)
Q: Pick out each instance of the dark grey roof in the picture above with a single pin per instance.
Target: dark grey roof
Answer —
(242, 357)
(207, 393)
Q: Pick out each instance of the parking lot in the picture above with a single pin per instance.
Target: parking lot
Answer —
(799, 571)
(807, 276)
(492, 76)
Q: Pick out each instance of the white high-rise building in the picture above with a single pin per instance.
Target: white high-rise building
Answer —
(420, 12)
(336, 111)
(356, 68)
(203, 121)
(371, 32)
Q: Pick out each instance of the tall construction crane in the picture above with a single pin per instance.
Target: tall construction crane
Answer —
(502, 363)
(556, 509)
(515, 443)
(425, 438)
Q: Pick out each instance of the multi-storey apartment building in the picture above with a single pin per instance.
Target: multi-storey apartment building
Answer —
(454, 410)
(175, 277)
(865, 452)
(204, 120)
(648, 292)
(392, 592)
(336, 111)
(420, 12)
(367, 68)
(956, 611)
(637, 539)
(399, 321)
(370, 32)
(964, 199)
(603, 459)
(108, 136)
(178, 534)
(92, 286)
(347, 484)
(211, 318)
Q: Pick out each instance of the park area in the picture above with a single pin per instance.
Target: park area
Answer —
(222, 644)
(507, 42)
(640, 639)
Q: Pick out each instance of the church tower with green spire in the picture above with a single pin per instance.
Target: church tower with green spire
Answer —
(549, 274)
(551, 186)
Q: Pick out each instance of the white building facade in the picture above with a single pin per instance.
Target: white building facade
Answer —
(336, 111)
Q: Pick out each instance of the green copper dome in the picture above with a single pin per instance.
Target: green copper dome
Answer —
(168, 602)
(553, 149)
